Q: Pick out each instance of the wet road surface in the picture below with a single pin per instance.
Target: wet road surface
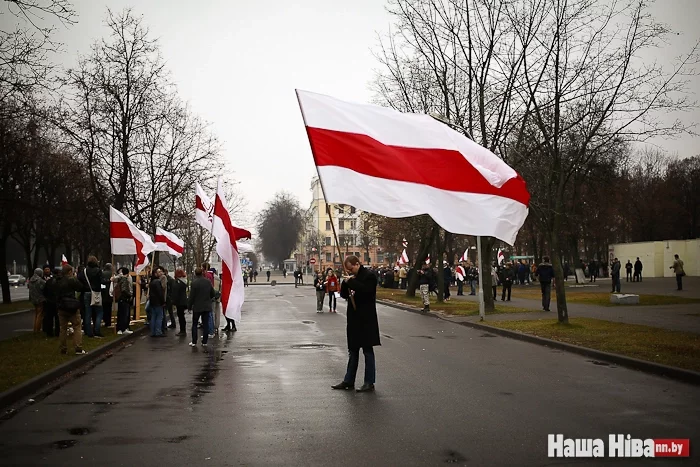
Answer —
(445, 394)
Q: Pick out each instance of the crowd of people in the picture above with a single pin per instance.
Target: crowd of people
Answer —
(81, 303)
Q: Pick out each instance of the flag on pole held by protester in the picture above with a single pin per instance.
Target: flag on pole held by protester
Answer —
(436, 170)
(244, 247)
(64, 260)
(126, 239)
(405, 243)
(500, 256)
(465, 255)
(204, 212)
(232, 295)
(427, 260)
(460, 273)
(167, 241)
(403, 259)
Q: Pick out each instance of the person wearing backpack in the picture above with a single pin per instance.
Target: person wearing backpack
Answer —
(123, 292)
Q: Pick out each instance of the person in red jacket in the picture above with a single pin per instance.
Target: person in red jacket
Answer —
(332, 286)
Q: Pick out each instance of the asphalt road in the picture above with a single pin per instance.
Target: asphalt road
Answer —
(445, 394)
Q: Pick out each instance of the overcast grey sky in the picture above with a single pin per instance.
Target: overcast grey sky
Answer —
(238, 63)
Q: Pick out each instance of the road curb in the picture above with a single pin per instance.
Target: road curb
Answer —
(687, 376)
(10, 313)
(51, 380)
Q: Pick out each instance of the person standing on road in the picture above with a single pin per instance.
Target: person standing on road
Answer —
(507, 276)
(123, 294)
(628, 270)
(156, 298)
(36, 296)
(473, 276)
(593, 270)
(332, 287)
(494, 281)
(615, 273)
(107, 299)
(360, 289)
(69, 309)
(425, 277)
(200, 302)
(638, 270)
(93, 313)
(545, 274)
(180, 299)
(460, 274)
(320, 286)
(268, 275)
(677, 267)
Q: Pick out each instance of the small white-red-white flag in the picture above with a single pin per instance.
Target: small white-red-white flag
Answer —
(427, 260)
(167, 241)
(403, 259)
(465, 255)
(204, 208)
(501, 256)
(64, 260)
(435, 170)
(405, 243)
(127, 239)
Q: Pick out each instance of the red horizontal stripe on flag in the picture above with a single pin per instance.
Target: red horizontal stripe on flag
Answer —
(443, 169)
(170, 243)
(119, 230)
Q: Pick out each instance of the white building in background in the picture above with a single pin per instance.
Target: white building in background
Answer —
(657, 257)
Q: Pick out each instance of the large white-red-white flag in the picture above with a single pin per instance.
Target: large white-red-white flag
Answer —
(232, 295)
(127, 239)
(167, 241)
(435, 170)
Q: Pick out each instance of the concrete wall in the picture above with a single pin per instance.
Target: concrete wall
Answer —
(657, 257)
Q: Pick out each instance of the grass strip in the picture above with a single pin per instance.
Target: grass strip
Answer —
(603, 298)
(15, 306)
(455, 307)
(672, 348)
(31, 354)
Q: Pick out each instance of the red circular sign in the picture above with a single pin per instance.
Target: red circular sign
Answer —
(312, 261)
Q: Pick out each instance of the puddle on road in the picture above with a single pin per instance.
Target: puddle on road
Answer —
(599, 363)
(506, 393)
(453, 457)
(425, 337)
(312, 346)
(64, 444)
(486, 334)
(177, 439)
(387, 336)
(204, 380)
(79, 431)
(308, 322)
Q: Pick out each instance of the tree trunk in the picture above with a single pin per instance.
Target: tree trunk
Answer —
(439, 247)
(423, 250)
(485, 272)
(562, 312)
(3, 275)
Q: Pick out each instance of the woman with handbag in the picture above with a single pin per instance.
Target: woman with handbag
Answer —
(69, 309)
(93, 298)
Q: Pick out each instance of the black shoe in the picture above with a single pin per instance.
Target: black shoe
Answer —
(366, 388)
(172, 326)
(233, 329)
(226, 329)
(343, 385)
(181, 333)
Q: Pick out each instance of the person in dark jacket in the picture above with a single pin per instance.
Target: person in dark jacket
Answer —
(180, 299)
(93, 285)
(201, 294)
(615, 273)
(638, 270)
(507, 276)
(123, 294)
(156, 299)
(447, 276)
(52, 326)
(628, 270)
(545, 274)
(69, 309)
(320, 287)
(107, 301)
(170, 290)
(360, 289)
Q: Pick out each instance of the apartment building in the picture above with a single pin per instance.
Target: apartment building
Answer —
(319, 243)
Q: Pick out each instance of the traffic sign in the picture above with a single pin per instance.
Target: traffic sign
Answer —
(312, 261)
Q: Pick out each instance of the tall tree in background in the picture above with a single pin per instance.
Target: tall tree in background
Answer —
(280, 225)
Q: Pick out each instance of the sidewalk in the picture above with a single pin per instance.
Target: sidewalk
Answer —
(674, 317)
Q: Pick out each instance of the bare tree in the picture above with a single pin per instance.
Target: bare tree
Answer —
(587, 92)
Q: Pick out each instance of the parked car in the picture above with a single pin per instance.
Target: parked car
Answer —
(17, 280)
